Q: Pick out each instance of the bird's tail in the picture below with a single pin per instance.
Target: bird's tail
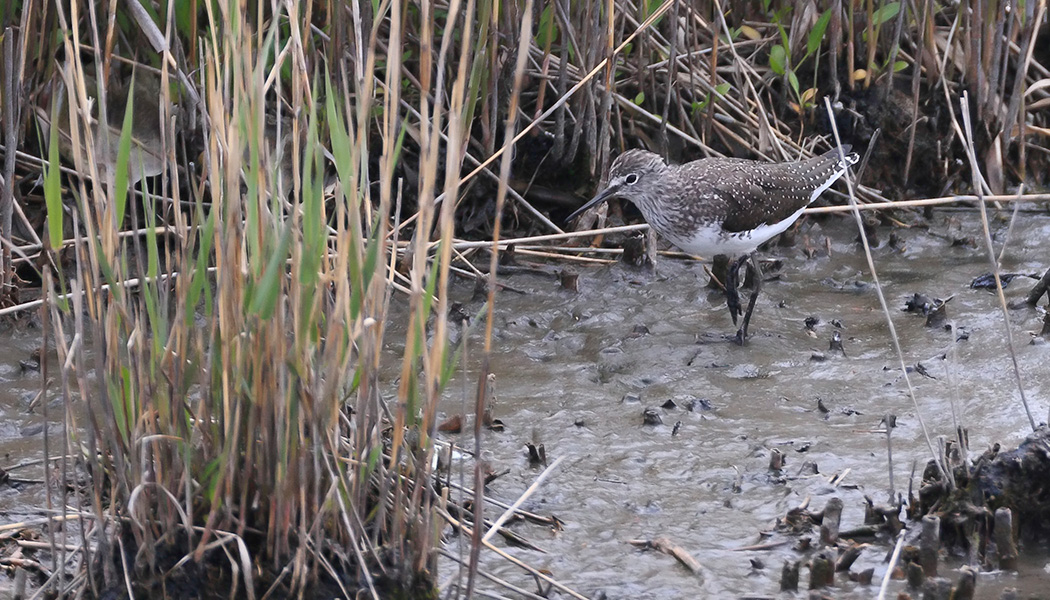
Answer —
(846, 158)
(835, 161)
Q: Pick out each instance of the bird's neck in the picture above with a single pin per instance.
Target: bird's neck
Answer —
(661, 202)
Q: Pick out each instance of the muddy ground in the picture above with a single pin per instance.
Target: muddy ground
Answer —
(576, 370)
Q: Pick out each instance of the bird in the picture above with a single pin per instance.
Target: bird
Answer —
(725, 206)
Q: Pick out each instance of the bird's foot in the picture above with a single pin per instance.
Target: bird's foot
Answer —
(740, 338)
(732, 288)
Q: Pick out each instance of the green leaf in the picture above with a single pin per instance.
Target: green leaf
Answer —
(785, 40)
(652, 7)
(312, 210)
(247, 127)
(778, 59)
(152, 244)
(398, 144)
(793, 80)
(368, 269)
(479, 71)
(340, 138)
(450, 365)
(885, 13)
(816, 35)
(121, 402)
(184, 10)
(150, 289)
(106, 267)
(200, 272)
(120, 178)
(428, 289)
(640, 98)
(722, 89)
(53, 187)
(373, 457)
(264, 298)
(899, 66)
(545, 32)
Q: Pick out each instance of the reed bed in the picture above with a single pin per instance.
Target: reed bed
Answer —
(220, 202)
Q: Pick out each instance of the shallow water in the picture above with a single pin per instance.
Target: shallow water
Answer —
(565, 361)
(23, 497)
(567, 364)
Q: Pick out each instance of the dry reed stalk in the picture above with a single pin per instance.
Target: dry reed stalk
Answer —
(946, 472)
(894, 556)
(942, 201)
(552, 237)
(976, 175)
(510, 511)
(539, 575)
(483, 376)
(564, 256)
(561, 100)
(486, 575)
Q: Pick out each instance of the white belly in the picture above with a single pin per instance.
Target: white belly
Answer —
(711, 239)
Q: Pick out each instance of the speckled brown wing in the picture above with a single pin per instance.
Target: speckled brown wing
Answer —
(767, 193)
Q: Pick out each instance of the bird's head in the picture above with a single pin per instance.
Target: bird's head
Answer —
(632, 176)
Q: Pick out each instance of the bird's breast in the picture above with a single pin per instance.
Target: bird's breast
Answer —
(708, 238)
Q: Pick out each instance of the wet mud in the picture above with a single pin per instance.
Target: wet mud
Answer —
(669, 430)
(677, 444)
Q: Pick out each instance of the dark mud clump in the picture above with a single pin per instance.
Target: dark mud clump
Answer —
(167, 574)
(1018, 480)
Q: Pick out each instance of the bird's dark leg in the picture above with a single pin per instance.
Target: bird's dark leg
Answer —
(732, 285)
(741, 334)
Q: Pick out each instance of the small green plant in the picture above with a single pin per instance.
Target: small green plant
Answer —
(699, 105)
(876, 18)
(780, 61)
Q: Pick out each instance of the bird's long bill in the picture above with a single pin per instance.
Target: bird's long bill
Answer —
(604, 195)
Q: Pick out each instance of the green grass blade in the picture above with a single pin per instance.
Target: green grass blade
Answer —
(816, 35)
(200, 271)
(398, 144)
(314, 235)
(368, 269)
(53, 187)
(151, 288)
(545, 32)
(249, 132)
(120, 178)
(264, 295)
(337, 130)
(885, 13)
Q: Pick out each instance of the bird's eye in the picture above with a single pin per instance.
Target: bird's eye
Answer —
(631, 179)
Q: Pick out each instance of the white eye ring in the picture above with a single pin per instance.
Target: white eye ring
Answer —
(631, 179)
